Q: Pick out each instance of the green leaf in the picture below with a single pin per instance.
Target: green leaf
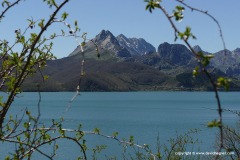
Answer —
(159, 155)
(205, 61)
(178, 13)
(76, 23)
(51, 3)
(53, 36)
(56, 147)
(41, 23)
(83, 43)
(196, 71)
(186, 34)
(223, 82)
(5, 2)
(28, 113)
(115, 134)
(214, 123)
(45, 77)
(180, 8)
(152, 4)
(7, 158)
(54, 3)
(131, 140)
(63, 33)
(26, 124)
(84, 36)
(64, 16)
(96, 130)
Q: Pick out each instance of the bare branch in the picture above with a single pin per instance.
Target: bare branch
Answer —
(209, 15)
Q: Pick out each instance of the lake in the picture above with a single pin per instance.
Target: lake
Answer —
(145, 115)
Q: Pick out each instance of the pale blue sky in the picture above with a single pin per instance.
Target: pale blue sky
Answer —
(130, 18)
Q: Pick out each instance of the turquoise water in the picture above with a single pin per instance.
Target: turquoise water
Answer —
(145, 115)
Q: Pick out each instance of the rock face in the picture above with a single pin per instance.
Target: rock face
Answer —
(236, 54)
(175, 54)
(120, 45)
(223, 58)
(136, 46)
(167, 56)
(132, 64)
(107, 40)
(227, 61)
(197, 49)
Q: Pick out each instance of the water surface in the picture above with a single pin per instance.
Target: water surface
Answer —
(142, 114)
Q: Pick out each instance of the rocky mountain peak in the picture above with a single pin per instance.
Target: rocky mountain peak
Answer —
(121, 45)
(225, 52)
(103, 35)
(197, 48)
(121, 36)
(136, 46)
(176, 54)
(236, 54)
(236, 51)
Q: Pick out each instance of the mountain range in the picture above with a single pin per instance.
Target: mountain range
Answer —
(132, 64)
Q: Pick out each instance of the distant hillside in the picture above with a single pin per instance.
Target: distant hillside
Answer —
(132, 64)
(107, 75)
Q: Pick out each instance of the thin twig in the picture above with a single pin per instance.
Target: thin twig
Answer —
(209, 15)
(203, 69)
(4, 111)
(9, 7)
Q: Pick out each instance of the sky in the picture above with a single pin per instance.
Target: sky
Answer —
(130, 18)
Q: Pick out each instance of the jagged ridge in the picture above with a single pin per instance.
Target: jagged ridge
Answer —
(134, 64)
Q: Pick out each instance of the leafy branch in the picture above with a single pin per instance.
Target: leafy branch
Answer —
(22, 75)
(202, 59)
